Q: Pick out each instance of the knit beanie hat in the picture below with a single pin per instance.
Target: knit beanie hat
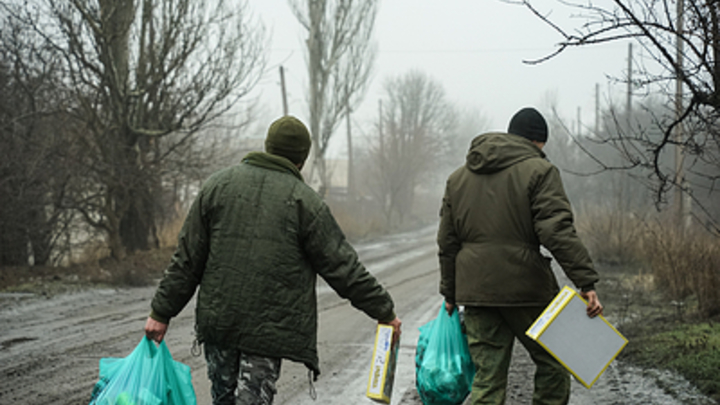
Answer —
(530, 124)
(288, 137)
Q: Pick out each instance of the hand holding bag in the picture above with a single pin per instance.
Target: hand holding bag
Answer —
(444, 370)
(148, 376)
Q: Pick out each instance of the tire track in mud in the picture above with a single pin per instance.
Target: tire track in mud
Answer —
(50, 347)
(54, 364)
(58, 342)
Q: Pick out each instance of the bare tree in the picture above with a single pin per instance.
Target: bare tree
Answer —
(34, 147)
(340, 57)
(683, 39)
(471, 122)
(146, 76)
(417, 126)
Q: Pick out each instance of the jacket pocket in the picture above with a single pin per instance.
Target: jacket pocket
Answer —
(210, 299)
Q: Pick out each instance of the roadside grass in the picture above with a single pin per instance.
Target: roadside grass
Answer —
(661, 289)
(692, 350)
(92, 267)
(661, 333)
(136, 270)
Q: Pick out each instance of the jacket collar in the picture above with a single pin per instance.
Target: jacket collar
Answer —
(272, 162)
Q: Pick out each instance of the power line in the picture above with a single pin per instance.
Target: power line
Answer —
(443, 51)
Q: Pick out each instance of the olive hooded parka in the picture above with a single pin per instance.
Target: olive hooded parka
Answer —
(254, 241)
(497, 211)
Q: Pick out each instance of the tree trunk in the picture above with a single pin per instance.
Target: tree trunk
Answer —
(137, 225)
(133, 203)
(13, 245)
(40, 234)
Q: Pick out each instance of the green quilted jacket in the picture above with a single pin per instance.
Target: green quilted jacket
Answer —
(254, 241)
(497, 211)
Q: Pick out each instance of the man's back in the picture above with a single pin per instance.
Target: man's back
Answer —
(244, 247)
(491, 194)
(491, 203)
(501, 206)
(257, 217)
(268, 235)
(254, 240)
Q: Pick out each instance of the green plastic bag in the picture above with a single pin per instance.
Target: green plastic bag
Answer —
(148, 376)
(444, 370)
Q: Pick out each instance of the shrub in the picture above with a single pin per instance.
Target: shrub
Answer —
(612, 236)
(685, 263)
(357, 219)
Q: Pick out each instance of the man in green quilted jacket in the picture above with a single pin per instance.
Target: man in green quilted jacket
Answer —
(254, 241)
(498, 209)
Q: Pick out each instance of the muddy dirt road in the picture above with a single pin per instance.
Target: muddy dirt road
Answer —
(50, 347)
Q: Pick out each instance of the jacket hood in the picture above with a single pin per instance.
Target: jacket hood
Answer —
(495, 151)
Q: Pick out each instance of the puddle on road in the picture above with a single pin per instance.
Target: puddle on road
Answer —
(624, 384)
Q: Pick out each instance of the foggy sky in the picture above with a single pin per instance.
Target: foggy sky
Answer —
(474, 48)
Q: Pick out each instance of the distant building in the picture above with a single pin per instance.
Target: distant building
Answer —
(338, 170)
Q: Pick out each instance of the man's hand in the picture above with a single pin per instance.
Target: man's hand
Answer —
(395, 323)
(594, 307)
(449, 308)
(155, 330)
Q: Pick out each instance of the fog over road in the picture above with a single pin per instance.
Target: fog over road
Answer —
(50, 347)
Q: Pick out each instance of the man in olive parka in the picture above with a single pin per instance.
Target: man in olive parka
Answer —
(254, 241)
(498, 209)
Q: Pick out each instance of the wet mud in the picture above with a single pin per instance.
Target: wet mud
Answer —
(50, 346)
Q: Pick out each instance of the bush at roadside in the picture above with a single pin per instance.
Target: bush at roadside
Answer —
(661, 286)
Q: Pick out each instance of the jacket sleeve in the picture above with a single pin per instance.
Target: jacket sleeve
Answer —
(448, 247)
(553, 221)
(335, 260)
(184, 273)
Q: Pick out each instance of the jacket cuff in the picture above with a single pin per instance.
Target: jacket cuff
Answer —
(449, 298)
(590, 287)
(154, 315)
(388, 320)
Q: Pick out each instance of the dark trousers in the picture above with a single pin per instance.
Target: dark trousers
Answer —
(491, 333)
(241, 379)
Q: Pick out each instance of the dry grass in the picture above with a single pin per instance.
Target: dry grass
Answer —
(168, 231)
(665, 295)
(364, 218)
(613, 236)
(357, 220)
(139, 269)
(684, 263)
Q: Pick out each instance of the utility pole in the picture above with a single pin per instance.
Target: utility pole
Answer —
(579, 122)
(681, 197)
(284, 93)
(597, 109)
(380, 130)
(350, 168)
(628, 101)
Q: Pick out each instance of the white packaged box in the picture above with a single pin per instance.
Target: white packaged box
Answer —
(585, 346)
(384, 361)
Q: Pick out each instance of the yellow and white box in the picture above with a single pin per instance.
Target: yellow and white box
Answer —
(585, 346)
(382, 369)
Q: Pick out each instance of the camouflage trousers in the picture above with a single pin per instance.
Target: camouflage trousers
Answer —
(491, 333)
(241, 379)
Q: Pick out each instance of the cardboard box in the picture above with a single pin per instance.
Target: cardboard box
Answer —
(382, 368)
(585, 346)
